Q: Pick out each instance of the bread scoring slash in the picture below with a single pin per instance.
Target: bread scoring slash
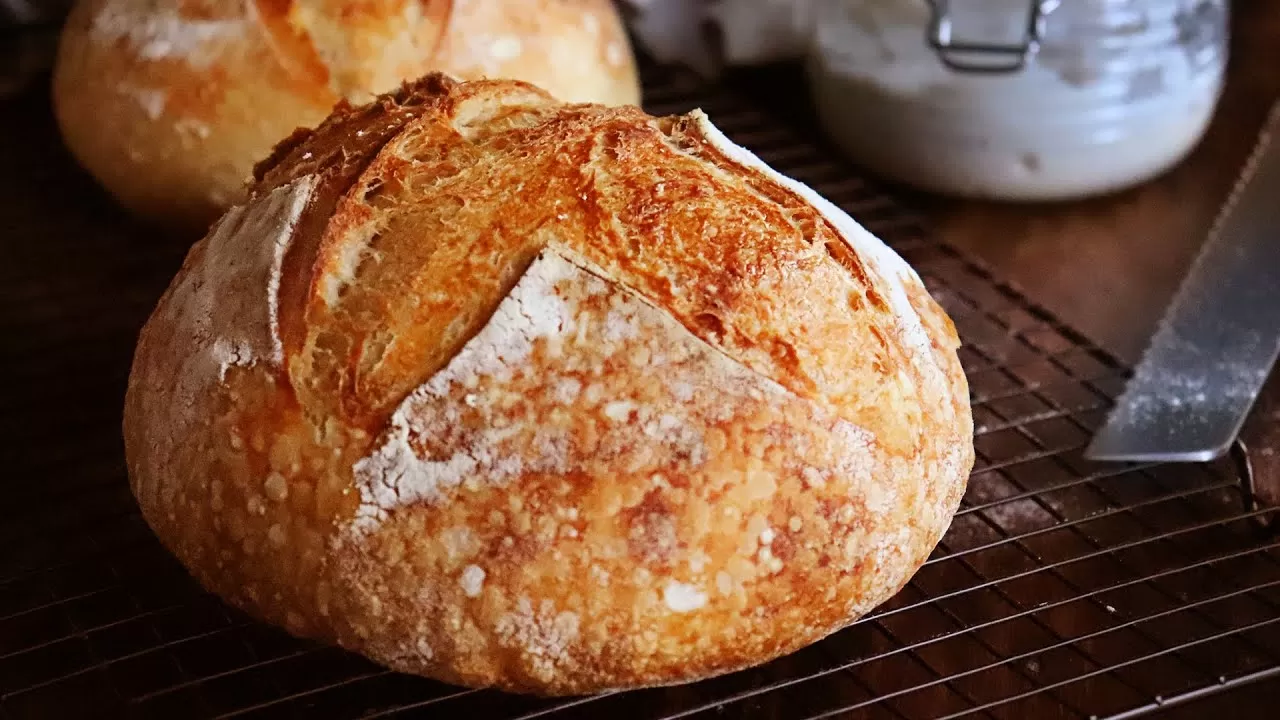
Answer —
(551, 398)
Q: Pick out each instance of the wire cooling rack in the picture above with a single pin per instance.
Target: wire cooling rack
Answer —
(1064, 589)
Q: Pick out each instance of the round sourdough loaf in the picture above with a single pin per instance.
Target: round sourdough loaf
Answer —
(553, 398)
(168, 103)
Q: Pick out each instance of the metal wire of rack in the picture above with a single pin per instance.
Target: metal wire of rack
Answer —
(1064, 589)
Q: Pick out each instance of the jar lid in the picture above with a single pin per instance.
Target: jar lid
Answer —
(983, 56)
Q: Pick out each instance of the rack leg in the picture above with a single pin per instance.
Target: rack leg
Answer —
(1248, 489)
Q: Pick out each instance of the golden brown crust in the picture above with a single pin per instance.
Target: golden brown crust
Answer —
(169, 102)
(547, 397)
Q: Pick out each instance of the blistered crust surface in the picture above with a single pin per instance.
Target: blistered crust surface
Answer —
(551, 398)
(740, 260)
(692, 500)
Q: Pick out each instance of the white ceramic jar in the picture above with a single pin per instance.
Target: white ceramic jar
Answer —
(1017, 99)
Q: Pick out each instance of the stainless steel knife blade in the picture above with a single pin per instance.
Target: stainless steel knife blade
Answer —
(1218, 340)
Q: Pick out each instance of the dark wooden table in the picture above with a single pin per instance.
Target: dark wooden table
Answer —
(1109, 266)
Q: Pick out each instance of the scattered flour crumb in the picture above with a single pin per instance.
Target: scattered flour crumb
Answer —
(682, 597)
(472, 580)
(507, 47)
(424, 648)
(192, 128)
(724, 582)
(618, 410)
(543, 636)
(151, 101)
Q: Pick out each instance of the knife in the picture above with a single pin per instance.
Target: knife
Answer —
(1218, 340)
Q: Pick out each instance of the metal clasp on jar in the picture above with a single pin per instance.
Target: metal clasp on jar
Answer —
(965, 55)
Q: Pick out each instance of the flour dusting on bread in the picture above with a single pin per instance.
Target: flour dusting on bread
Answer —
(542, 636)
(394, 475)
(165, 34)
(247, 250)
(229, 308)
(223, 313)
(587, 322)
(151, 101)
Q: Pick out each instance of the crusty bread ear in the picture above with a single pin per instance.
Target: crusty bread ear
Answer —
(554, 398)
(168, 103)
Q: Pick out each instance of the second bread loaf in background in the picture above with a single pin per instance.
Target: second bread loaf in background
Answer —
(168, 103)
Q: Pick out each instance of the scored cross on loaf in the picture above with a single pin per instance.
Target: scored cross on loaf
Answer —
(554, 398)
